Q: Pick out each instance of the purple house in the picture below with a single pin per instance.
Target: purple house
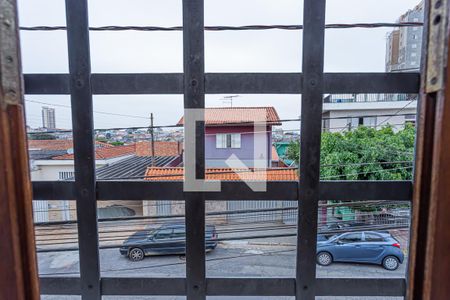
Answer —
(242, 132)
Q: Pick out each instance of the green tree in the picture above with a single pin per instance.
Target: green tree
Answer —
(41, 136)
(365, 154)
(101, 139)
(117, 143)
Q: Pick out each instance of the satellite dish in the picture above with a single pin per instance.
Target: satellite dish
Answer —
(70, 151)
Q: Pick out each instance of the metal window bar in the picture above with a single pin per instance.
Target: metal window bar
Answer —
(194, 98)
(81, 84)
(83, 143)
(311, 115)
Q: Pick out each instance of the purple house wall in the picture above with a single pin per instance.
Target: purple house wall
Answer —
(216, 157)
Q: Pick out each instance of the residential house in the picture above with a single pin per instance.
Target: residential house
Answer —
(231, 131)
(54, 160)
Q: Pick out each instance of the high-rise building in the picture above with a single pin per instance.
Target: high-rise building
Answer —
(48, 117)
(403, 46)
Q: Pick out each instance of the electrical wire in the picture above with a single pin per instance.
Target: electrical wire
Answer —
(211, 215)
(95, 111)
(399, 111)
(231, 123)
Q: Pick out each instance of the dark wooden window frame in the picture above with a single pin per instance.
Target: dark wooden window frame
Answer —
(312, 83)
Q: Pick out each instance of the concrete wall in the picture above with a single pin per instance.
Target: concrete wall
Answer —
(65, 209)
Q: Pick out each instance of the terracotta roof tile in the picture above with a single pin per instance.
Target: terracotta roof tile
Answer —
(58, 144)
(235, 115)
(161, 148)
(224, 174)
(105, 152)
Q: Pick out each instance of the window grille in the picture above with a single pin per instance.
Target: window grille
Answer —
(312, 83)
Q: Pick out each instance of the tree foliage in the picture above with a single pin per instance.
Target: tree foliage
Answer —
(41, 136)
(117, 143)
(365, 154)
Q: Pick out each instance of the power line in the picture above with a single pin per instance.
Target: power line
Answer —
(399, 111)
(95, 111)
(367, 172)
(353, 229)
(225, 28)
(163, 219)
(231, 123)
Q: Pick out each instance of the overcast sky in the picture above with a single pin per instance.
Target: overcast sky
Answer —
(346, 50)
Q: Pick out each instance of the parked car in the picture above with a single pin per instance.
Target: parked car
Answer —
(361, 247)
(329, 230)
(167, 239)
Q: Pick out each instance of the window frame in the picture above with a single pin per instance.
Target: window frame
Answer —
(312, 83)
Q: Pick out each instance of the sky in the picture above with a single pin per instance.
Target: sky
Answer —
(346, 50)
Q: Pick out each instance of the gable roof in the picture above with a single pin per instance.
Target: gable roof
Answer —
(139, 149)
(215, 116)
(275, 156)
(105, 152)
(135, 166)
(224, 174)
(162, 148)
(45, 154)
(58, 144)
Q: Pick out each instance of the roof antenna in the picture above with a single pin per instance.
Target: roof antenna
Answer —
(229, 99)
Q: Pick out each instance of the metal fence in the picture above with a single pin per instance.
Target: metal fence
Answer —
(194, 84)
(350, 98)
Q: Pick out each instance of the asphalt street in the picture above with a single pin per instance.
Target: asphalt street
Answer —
(231, 259)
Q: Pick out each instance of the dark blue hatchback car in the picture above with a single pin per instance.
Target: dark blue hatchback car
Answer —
(361, 247)
(167, 239)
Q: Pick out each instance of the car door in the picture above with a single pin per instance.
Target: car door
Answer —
(162, 241)
(179, 240)
(372, 247)
(347, 247)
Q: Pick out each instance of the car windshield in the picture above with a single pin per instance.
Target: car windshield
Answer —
(334, 237)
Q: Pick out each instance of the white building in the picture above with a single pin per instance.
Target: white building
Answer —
(48, 117)
(346, 112)
(47, 163)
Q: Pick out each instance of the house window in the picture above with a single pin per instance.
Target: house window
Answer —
(370, 122)
(366, 121)
(352, 123)
(228, 140)
(66, 175)
(414, 46)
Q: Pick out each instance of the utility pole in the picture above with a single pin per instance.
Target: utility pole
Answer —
(152, 134)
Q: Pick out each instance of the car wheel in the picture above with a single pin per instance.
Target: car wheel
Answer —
(324, 259)
(390, 263)
(136, 254)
